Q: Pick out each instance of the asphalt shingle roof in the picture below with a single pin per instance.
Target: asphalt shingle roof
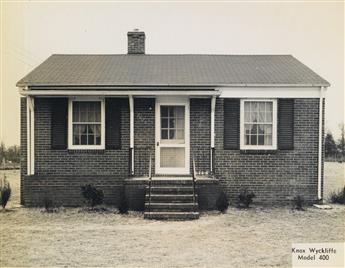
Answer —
(170, 70)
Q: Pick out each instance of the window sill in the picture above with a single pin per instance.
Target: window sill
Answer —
(86, 151)
(253, 151)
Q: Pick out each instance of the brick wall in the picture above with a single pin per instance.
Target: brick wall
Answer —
(23, 147)
(144, 135)
(276, 177)
(200, 133)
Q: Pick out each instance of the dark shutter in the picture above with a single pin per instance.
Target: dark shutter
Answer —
(59, 123)
(285, 124)
(232, 124)
(113, 123)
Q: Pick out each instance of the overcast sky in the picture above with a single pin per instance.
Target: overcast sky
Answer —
(30, 32)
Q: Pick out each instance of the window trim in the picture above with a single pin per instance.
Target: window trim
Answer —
(274, 126)
(70, 124)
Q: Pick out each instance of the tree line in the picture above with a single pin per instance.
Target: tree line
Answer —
(9, 154)
(335, 149)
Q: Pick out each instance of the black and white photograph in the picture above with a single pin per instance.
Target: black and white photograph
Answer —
(172, 134)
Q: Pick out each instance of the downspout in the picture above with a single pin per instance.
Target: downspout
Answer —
(213, 107)
(28, 136)
(131, 133)
(30, 124)
(319, 171)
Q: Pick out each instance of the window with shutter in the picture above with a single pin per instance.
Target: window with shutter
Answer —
(258, 124)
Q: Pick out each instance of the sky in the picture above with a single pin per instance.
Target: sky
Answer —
(313, 32)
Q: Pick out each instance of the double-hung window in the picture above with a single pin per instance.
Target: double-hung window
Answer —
(86, 123)
(258, 124)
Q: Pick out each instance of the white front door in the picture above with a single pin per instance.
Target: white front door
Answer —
(172, 135)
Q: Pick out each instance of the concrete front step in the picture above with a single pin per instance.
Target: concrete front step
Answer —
(171, 189)
(171, 198)
(171, 207)
(171, 215)
(171, 181)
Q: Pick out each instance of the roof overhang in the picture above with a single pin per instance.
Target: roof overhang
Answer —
(233, 91)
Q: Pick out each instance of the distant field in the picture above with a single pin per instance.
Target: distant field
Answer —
(334, 177)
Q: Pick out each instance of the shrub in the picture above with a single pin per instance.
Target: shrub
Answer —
(298, 202)
(222, 202)
(338, 197)
(5, 191)
(245, 198)
(48, 204)
(123, 206)
(92, 195)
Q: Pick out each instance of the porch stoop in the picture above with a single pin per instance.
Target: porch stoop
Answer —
(171, 199)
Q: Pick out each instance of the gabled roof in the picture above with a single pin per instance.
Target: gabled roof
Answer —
(171, 70)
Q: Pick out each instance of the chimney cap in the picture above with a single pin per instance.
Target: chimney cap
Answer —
(136, 31)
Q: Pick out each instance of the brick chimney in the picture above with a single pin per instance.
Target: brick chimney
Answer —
(136, 42)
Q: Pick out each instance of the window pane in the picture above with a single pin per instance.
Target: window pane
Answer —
(269, 106)
(268, 129)
(246, 116)
(261, 139)
(164, 111)
(253, 117)
(269, 117)
(261, 117)
(254, 129)
(247, 128)
(164, 134)
(261, 107)
(83, 140)
(171, 123)
(83, 129)
(98, 134)
(180, 134)
(261, 129)
(180, 123)
(247, 106)
(164, 123)
(172, 134)
(253, 140)
(268, 139)
(247, 140)
(171, 111)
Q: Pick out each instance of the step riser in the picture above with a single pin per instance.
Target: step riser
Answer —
(170, 199)
(170, 208)
(172, 217)
(172, 182)
(177, 190)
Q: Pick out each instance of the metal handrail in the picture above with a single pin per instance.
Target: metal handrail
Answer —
(194, 183)
(150, 180)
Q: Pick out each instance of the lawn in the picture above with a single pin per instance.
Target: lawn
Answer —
(240, 238)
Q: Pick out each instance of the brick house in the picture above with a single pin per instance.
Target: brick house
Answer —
(232, 121)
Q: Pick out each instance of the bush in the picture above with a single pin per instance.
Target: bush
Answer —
(245, 198)
(5, 191)
(92, 195)
(123, 207)
(298, 202)
(48, 204)
(338, 197)
(222, 202)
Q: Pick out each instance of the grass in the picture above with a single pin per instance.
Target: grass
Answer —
(239, 238)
